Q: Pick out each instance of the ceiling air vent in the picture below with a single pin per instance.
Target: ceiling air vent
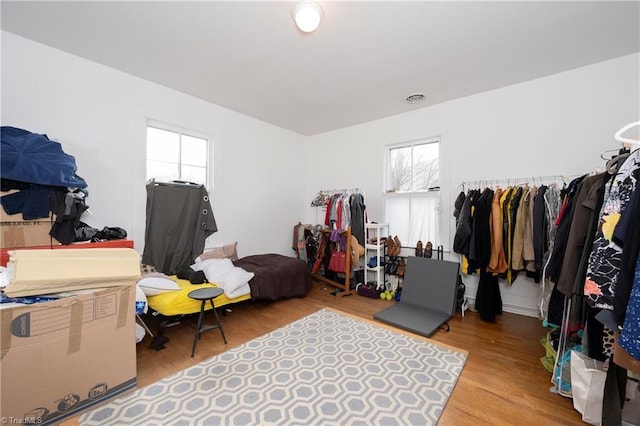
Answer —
(415, 98)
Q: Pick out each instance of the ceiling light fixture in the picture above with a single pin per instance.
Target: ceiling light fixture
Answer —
(307, 15)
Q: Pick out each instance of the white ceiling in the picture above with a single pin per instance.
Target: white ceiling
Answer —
(360, 65)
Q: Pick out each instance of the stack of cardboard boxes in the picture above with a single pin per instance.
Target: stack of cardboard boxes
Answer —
(17, 232)
(63, 356)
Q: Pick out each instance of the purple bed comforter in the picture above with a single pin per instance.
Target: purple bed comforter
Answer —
(276, 276)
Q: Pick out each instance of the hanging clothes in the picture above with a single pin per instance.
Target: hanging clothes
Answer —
(463, 229)
(179, 219)
(630, 334)
(344, 209)
(528, 255)
(357, 217)
(581, 230)
(605, 258)
(627, 235)
(552, 197)
(480, 253)
(517, 257)
(508, 224)
(540, 228)
(497, 262)
(563, 223)
(500, 233)
(488, 297)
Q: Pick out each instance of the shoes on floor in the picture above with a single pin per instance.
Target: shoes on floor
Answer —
(428, 251)
(402, 267)
(397, 246)
(390, 246)
(393, 246)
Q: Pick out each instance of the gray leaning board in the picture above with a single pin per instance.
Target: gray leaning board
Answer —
(428, 296)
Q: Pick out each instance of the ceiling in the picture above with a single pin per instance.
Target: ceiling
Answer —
(361, 64)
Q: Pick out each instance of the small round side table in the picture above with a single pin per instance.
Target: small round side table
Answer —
(204, 294)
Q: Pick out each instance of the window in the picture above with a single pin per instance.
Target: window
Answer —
(175, 155)
(412, 197)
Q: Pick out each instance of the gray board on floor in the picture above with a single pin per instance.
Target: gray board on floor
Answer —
(428, 296)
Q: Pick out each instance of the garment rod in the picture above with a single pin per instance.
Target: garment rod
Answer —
(512, 181)
(338, 191)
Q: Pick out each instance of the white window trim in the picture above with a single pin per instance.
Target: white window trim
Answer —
(430, 193)
(188, 132)
(388, 148)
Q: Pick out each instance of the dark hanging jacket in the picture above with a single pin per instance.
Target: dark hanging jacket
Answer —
(585, 216)
(463, 228)
(358, 208)
(482, 235)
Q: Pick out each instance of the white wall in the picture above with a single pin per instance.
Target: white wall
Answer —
(266, 177)
(557, 125)
(99, 115)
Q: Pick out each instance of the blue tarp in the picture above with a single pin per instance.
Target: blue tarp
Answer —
(31, 157)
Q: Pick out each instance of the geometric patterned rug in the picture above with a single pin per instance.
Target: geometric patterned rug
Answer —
(327, 368)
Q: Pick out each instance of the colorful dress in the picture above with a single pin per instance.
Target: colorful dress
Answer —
(605, 258)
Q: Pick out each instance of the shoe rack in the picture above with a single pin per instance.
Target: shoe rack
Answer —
(375, 251)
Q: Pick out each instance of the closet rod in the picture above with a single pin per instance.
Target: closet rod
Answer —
(512, 181)
(338, 191)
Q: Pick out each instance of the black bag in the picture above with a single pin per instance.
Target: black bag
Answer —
(85, 232)
(110, 233)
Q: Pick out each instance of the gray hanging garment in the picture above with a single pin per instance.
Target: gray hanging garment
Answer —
(179, 219)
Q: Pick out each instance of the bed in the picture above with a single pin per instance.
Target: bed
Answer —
(272, 277)
(276, 276)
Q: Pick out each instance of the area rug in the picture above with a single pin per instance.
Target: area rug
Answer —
(327, 368)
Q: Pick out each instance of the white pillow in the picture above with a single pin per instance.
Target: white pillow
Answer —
(235, 279)
(240, 291)
(152, 286)
(215, 270)
(224, 274)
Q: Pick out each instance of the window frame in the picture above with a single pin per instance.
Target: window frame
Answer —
(434, 193)
(186, 132)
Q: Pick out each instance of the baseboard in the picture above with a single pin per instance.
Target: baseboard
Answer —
(527, 311)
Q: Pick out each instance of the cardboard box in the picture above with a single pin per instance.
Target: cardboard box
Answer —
(37, 272)
(17, 232)
(64, 356)
(4, 252)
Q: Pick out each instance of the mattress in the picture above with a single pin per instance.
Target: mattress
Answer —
(178, 302)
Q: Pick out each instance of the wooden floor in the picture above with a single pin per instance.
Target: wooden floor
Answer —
(503, 381)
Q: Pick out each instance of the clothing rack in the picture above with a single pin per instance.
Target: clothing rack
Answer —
(338, 191)
(343, 289)
(513, 181)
